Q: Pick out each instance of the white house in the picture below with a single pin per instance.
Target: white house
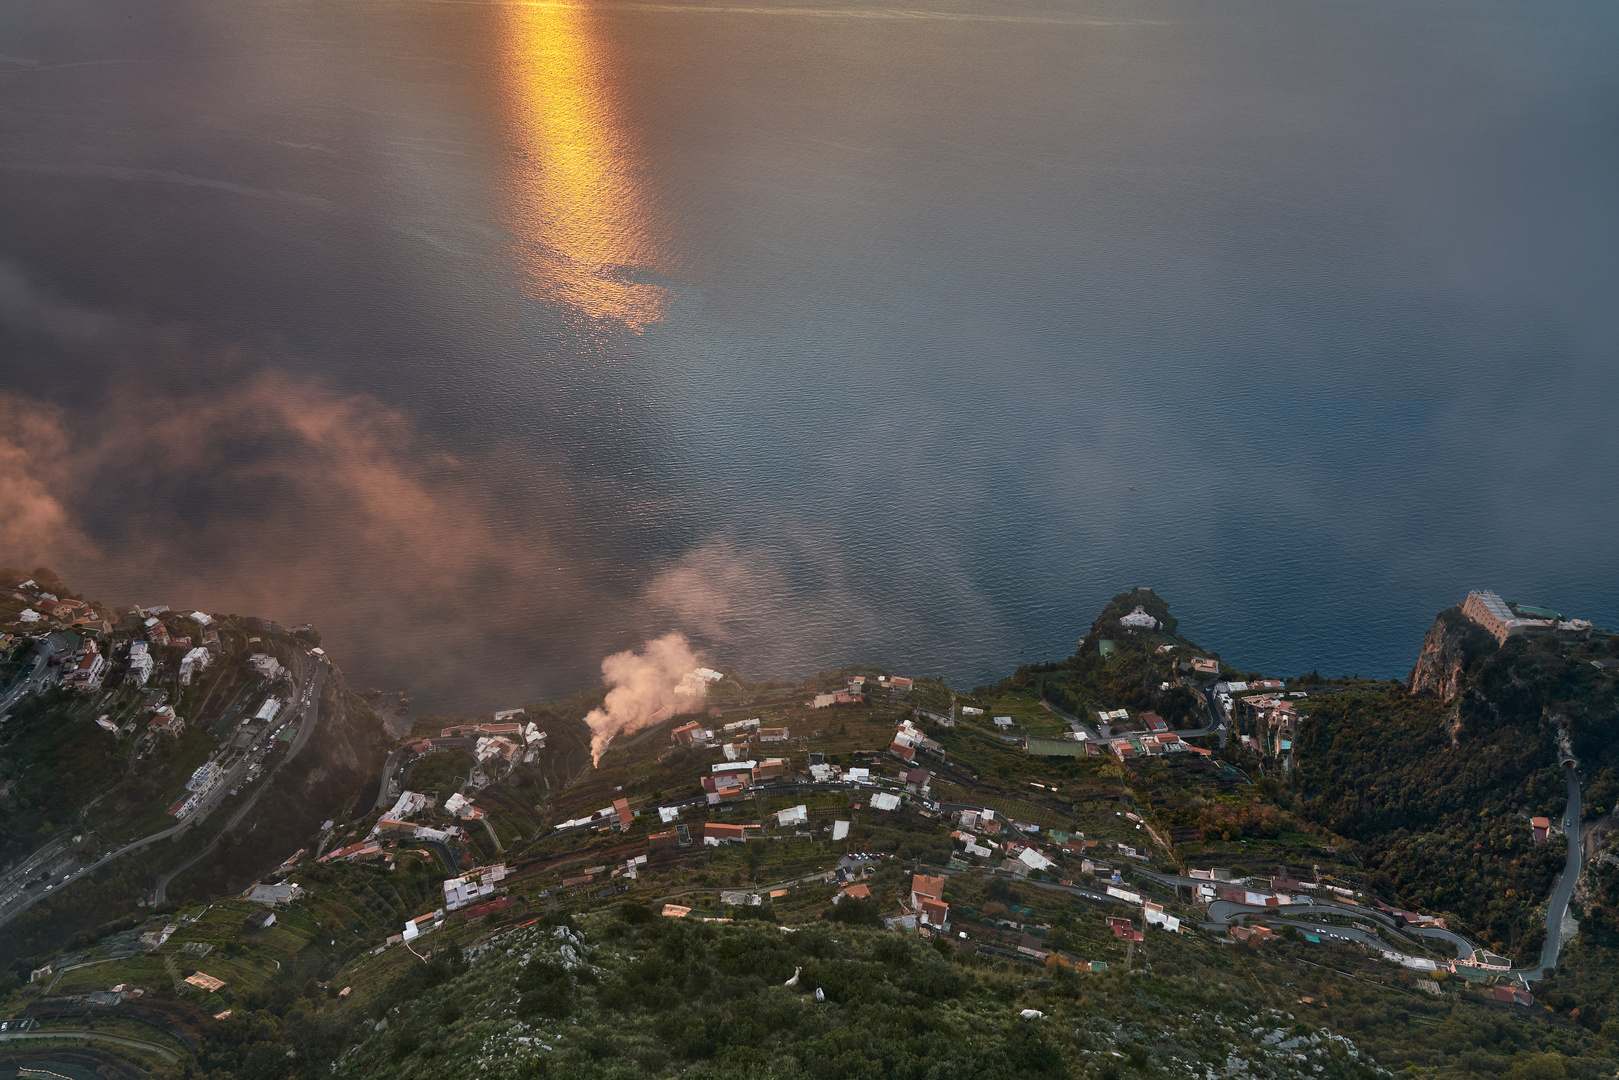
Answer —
(1139, 620)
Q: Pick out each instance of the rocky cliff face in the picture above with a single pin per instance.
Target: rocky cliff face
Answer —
(1453, 646)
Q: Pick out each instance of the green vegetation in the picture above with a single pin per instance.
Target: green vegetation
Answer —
(1438, 796)
(577, 974)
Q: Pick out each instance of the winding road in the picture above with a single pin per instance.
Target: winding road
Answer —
(1225, 912)
(94, 1036)
(1563, 888)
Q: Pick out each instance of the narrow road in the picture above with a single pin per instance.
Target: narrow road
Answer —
(41, 671)
(385, 795)
(1216, 721)
(1563, 888)
(310, 715)
(94, 1036)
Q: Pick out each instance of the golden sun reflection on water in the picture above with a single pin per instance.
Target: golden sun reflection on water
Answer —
(576, 202)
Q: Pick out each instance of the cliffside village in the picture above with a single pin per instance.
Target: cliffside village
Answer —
(155, 655)
(892, 780)
(752, 762)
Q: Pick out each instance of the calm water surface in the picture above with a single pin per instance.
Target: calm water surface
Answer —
(492, 337)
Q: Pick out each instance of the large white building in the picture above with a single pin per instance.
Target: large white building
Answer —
(140, 662)
(193, 662)
(1139, 620)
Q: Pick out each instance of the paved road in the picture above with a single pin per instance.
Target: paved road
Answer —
(1563, 888)
(94, 1036)
(1464, 948)
(42, 656)
(308, 717)
(1216, 721)
(385, 795)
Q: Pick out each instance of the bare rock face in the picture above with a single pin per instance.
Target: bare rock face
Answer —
(1453, 646)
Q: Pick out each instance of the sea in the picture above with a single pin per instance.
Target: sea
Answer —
(492, 338)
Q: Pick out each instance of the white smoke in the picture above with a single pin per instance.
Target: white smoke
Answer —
(647, 688)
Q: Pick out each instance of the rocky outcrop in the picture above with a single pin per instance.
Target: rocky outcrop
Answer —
(1454, 646)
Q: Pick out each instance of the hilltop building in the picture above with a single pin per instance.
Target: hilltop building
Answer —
(1138, 620)
(1503, 620)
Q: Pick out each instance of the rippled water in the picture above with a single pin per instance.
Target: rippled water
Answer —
(493, 337)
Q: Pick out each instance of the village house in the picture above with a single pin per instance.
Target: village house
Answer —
(927, 901)
(716, 833)
(266, 665)
(769, 769)
(86, 669)
(461, 806)
(167, 723)
(727, 787)
(194, 661)
(496, 748)
(275, 895)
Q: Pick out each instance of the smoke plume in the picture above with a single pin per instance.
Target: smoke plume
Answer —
(646, 689)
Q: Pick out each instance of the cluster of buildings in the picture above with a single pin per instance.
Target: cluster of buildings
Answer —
(43, 606)
(857, 686)
(470, 888)
(85, 668)
(736, 737)
(497, 746)
(394, 827)
(910, 740)
(1276, 724)
(1134, 746)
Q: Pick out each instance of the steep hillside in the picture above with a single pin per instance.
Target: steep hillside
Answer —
(1167, 897)
(83, 777)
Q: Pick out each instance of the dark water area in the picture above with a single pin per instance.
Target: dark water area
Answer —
(492, 338)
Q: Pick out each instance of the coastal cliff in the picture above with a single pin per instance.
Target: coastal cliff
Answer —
(1453, 646)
